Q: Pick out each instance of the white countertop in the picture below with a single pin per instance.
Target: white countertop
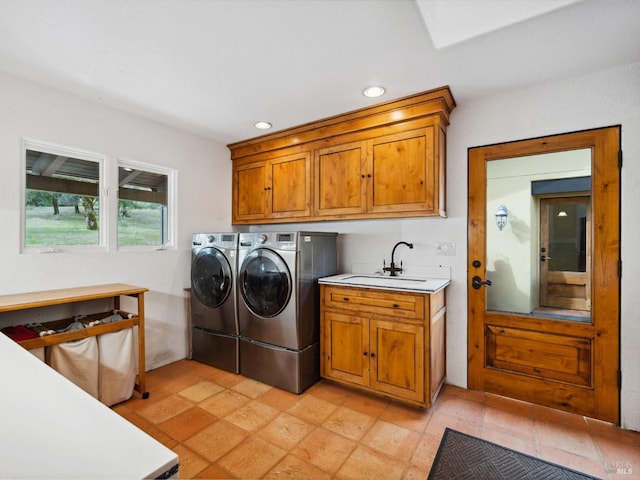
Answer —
(52, 429)
(385, 282)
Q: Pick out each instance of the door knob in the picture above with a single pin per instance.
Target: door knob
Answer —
(544, 258)
(477, 282)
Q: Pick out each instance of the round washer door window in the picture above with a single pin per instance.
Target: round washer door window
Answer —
(265, 282)
(211, 277)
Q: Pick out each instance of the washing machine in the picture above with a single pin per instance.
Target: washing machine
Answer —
(278, 305)
(214, 321)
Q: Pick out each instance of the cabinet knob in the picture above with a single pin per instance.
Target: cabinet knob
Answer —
(346, 299)
(365, 354)
(395, 305)
(373, 354)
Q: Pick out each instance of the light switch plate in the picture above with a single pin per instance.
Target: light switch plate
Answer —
(446, 248)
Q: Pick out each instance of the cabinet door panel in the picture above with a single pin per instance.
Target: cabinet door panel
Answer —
(340, 179)
(250, 184)
(397, 359)
(291, 186)
(403, 172)
(346, 348)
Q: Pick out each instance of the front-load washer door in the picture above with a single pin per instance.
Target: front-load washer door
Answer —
(265, 283)
(211, 287)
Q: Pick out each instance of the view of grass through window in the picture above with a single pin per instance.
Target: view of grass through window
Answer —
(68, 226)
(138, 223)
(65, 222)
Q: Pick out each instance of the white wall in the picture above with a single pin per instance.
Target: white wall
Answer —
(204, 201)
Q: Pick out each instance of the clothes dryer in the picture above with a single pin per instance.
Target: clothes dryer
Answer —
(214, 323)
(278, 305)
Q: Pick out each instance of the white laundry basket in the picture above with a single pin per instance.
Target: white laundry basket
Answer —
(78, 362)
(117, 374)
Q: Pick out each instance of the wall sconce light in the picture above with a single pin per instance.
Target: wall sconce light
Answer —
(501, 217)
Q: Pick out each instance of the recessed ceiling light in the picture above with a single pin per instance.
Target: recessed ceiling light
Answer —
(373, 92)
(262, 125)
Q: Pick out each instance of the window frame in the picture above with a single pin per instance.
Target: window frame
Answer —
(103, 181)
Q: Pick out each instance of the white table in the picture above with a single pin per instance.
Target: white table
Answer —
(52, 429)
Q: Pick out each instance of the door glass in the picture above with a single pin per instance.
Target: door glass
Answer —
(514, 246)
(567, 237)
(211, 277)
(265, 283)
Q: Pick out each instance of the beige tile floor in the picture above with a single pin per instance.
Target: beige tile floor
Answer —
(228, 426)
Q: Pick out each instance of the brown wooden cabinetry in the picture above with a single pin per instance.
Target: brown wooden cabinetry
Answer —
(341, 180)
(403, 174)
(390, 343)
(279, 187)
(379, 162)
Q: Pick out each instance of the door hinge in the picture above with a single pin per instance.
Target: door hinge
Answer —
(620, 159)
(619, 269)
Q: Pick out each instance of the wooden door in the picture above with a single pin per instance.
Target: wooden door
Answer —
(397, 359)
(341, 181)
(403, 172)
(566, 363)
(346, 348)
(565, 253)
(250, 189)
(289, 186)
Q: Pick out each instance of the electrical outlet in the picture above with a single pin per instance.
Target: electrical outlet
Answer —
(446, 248)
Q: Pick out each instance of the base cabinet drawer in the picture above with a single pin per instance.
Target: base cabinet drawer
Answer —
(398, 305)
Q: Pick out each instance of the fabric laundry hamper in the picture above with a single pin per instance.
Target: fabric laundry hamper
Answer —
(117, 373)
(38, 353)
(78, 362)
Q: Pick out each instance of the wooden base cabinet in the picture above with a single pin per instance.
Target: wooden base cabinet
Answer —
(390, 343)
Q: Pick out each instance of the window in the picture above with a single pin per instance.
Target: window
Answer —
(145, 195)
(62, 202)
(68, 204)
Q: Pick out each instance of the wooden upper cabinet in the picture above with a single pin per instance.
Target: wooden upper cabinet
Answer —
(289, 193)
(378, 162)
(249, 188)
(341, 179)
(275, 188)
(403, 174)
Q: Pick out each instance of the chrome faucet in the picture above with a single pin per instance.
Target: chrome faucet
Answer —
(392, 269)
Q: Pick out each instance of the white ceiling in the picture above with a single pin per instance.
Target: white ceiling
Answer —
(215, 67)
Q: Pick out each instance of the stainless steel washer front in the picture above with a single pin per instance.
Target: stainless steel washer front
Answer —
(278, 309)
(214, 334)
(268, 290)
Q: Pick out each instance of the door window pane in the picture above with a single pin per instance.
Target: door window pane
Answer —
(567, 237)
(517, 258)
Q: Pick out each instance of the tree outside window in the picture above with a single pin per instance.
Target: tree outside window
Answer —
(62, 196)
